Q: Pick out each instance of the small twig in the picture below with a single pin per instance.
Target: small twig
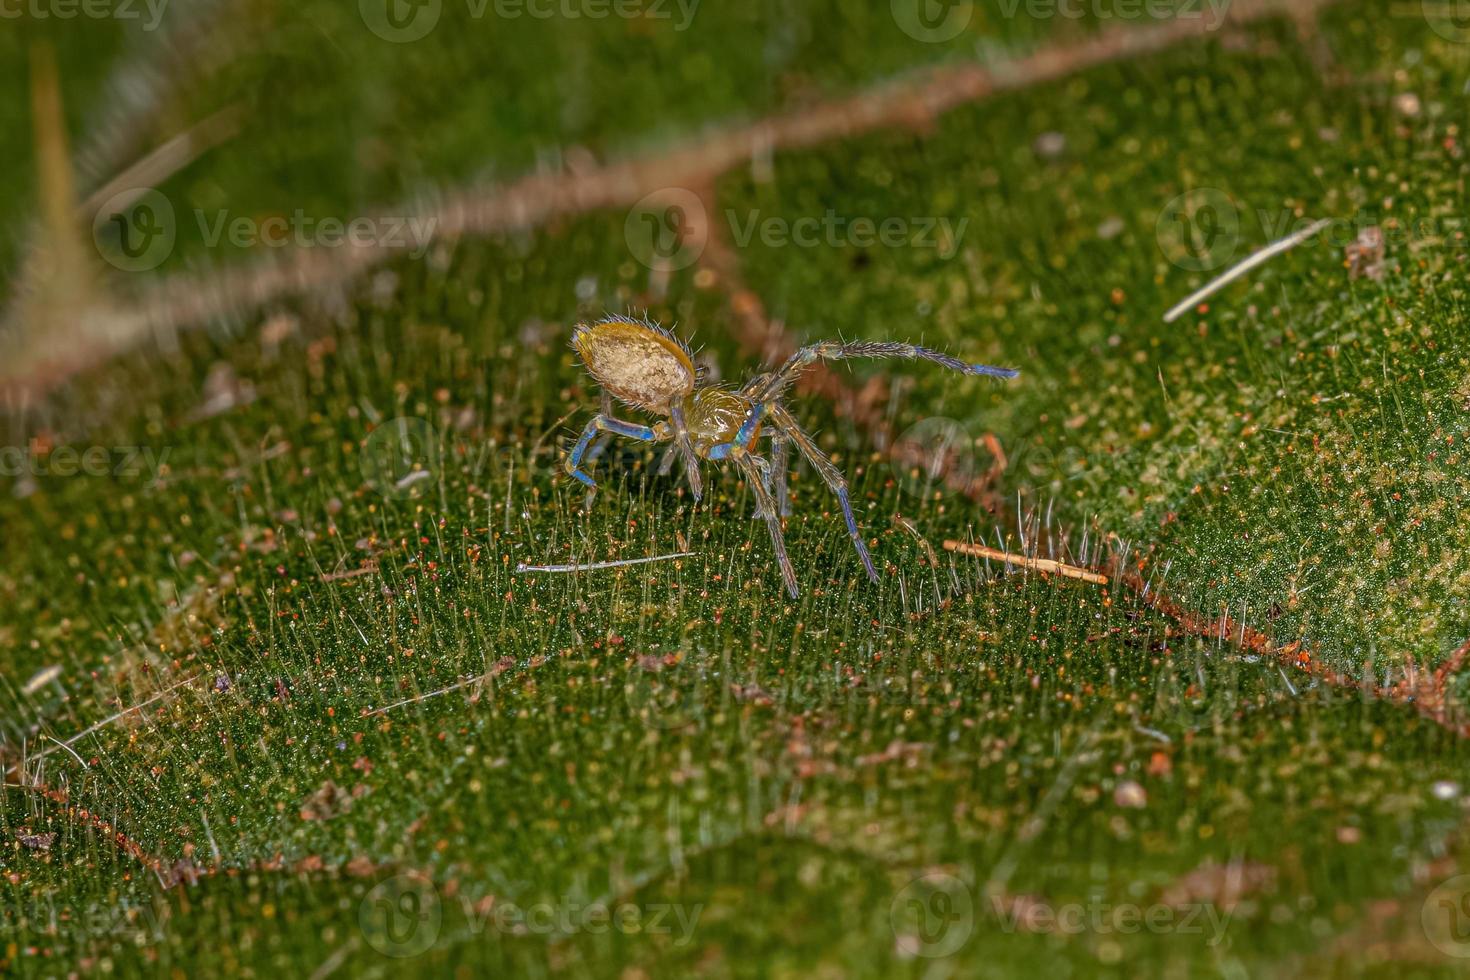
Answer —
(41, 678)
(69, 751)
(369, 569)
(164, 161)
(464, 682)
(1032, 564)
(331, 963)
(598, 566)
(112, 718)
(1241, 268)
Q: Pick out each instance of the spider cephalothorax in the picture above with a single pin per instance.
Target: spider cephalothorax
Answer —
(644, 366)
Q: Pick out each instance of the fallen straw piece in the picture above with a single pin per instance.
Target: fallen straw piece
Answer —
(598, 566)
(1032, 564)
(1241, 268)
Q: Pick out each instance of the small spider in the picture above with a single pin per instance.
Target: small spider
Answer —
(645, 367)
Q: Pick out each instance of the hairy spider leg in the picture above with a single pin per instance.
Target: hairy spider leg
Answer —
(773, 473)
(767, 386)
(686, 449)
(780, 463)
(750, 466)
(603, 439)
(600, 424)
(599, 447)
(830, 474)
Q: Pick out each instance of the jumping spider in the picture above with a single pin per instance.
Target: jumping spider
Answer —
(645, 367)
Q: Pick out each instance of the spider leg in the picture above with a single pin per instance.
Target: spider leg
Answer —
(768, 386)
(686, 449)
(744, 436)
(740, 445)
(602, 424)
(749, 466)
(780, 464)
(756, 383)
(599, 446)
(830, 474)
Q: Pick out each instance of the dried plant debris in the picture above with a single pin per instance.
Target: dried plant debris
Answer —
(1365, 255)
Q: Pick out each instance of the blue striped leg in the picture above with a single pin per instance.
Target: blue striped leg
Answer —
(597, 450)
(830, 474)
(740, 446)
(743, 437)
(600, 424)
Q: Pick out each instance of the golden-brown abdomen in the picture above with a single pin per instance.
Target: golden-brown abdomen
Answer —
(636, 362)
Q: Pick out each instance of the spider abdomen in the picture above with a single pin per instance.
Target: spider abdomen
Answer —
(636, 362)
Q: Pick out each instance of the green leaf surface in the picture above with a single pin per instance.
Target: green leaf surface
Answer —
(275, 697)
